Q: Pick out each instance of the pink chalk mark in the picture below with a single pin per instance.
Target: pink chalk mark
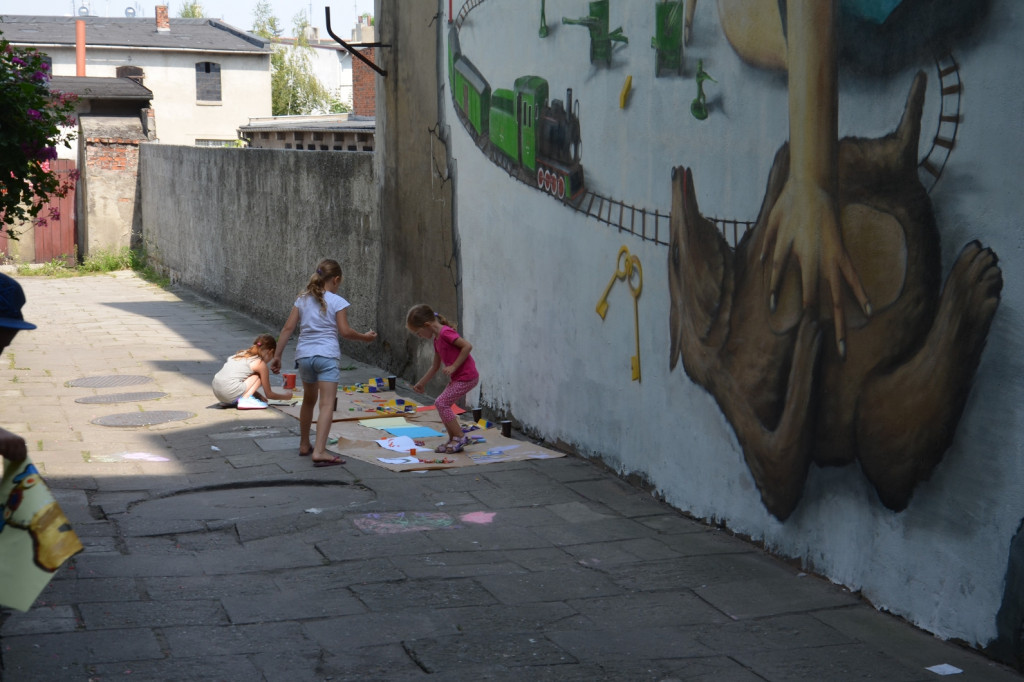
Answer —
(478, 517)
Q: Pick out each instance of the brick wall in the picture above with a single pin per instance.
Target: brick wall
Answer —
(115, 154)
(364, 85)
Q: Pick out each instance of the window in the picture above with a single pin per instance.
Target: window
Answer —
(287, 145)
(297, 137)
(264, 136)
(207, 82)
(280, 136)
(215, 143)
(352, 148)
(368, 148)
(318, 136)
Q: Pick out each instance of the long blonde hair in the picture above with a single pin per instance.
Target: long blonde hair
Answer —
(326, 270)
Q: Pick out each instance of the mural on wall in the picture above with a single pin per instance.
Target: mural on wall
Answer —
(825, 332)
(826, 335)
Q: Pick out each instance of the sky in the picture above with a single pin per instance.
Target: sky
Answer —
(238, 13)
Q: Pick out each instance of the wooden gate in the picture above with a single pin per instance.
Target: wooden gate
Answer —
(56, 239)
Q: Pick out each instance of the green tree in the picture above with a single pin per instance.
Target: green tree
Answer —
(336, 105)
(293, 86)
(191, 9)
(33, 121)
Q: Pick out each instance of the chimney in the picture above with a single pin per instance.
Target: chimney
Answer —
(163, 23)
(79, 47)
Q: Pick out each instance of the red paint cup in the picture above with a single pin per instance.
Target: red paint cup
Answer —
(289, 379)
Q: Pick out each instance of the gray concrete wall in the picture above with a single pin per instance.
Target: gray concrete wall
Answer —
(416, 191)
(246, 227)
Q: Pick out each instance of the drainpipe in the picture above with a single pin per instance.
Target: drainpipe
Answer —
(79, 47)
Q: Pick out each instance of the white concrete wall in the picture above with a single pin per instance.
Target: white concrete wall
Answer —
(180, 119)
(533, 272)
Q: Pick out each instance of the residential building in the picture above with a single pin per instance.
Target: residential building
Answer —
(206, 76)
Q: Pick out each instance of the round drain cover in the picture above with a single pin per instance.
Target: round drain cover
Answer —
(109, 380)
(142, 418)
(120, 397)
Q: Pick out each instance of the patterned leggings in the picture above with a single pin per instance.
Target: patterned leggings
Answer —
(454, 391)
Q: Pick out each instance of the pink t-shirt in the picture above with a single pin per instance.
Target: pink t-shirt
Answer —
(445, 346)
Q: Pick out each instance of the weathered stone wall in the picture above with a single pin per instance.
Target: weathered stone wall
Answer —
(246, 227)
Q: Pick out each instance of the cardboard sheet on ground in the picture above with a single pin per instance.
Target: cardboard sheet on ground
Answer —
(355, 406)
(35, 536)
(359, 442)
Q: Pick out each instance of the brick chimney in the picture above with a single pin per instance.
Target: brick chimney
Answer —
(364, 85)
(79, 47)
(163, 23)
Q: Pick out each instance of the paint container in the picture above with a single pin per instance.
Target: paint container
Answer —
(477, 414)
(289, 379)
(506, 428)
(391, 383)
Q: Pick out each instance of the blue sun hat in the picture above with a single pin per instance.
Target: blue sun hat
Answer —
(12, 298)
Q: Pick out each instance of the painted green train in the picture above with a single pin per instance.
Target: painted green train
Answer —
(536, 140)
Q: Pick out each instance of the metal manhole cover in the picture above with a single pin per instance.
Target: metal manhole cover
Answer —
(120, 397)
(109, 380)
(142, 418)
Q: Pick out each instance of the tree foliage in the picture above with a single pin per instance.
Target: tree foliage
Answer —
(33, 121)
(294, 87)
(191, 9)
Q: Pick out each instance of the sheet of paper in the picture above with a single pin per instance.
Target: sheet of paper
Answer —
(413, 431)
(401, 444)
(35, 536)
(384, 423)
(945, 669)
(408, 459)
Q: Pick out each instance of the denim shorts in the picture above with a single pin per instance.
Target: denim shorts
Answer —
(318, 368)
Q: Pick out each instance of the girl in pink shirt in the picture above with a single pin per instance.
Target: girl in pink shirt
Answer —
(451, 355)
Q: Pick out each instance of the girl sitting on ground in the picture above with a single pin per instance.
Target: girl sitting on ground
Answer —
(238, 382)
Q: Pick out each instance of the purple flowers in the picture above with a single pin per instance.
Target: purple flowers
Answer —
(34, 114)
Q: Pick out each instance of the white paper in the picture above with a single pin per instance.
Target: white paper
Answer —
(945, 669)
(401, 444)
(408, 459)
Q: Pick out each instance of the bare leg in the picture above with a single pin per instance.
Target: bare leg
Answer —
(251, 384)
(328, 392)
(453, 428)
(309, 397)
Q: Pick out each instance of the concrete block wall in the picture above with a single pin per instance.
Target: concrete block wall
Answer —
(246, 227)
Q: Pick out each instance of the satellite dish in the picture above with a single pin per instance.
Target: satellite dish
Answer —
(129, 12)
(83, 11)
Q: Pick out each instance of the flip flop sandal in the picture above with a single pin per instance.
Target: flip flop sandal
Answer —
(456, 445)
(328, 462)
(443, 447)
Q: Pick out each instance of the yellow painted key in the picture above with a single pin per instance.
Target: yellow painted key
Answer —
(621, 272)
(635, 290)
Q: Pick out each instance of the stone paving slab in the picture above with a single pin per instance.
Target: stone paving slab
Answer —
(236, 559)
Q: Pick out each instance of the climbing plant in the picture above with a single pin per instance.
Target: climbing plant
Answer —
(33, 121)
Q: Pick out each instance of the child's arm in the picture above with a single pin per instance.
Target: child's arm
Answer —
(12, 446)
(260, 368)
(282, 340)
(421, 384)
(347, 332)
(464, 348)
